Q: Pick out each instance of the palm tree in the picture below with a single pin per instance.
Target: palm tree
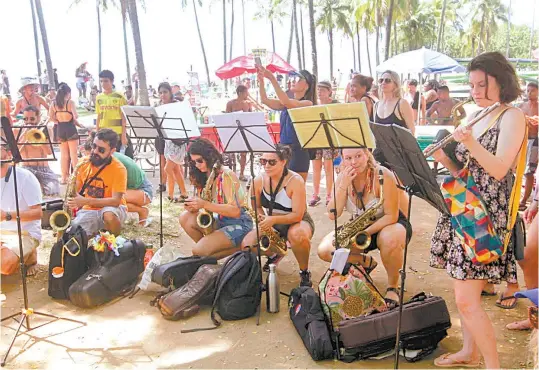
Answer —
(123, 8)
(44, 40)
(364, 15)
(296, 32)
(312, 30)
(199, 2)
(231, 28)
(273, 13)
(441, 26)
(488, 13)
(224, 39)
(388, 27)
(133, 16)
(333, 15)
(36, 40)
(289, 53)
(302, 36)
(243, 27)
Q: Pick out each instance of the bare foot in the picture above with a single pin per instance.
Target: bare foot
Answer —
(31, 263)
(520, 325)
(143, 215)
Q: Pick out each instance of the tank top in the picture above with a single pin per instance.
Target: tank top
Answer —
(355, 205)
(282, 204)
(288, 133)
(392, 118)
(415, 103)
(373, 102)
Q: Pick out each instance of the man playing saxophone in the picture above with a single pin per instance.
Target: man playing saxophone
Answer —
(281, 200)
(101, 183)
(359, 187)
(216, 218)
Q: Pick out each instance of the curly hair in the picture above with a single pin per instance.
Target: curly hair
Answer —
(284, 152)
(204, 148)
(494, 64)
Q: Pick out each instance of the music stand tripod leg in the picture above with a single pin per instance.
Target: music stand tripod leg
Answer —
(253, 198)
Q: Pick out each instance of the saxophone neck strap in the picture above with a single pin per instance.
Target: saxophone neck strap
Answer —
(87, 182)
(273, 194)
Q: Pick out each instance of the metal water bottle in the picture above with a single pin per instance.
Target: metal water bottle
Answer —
(272, 290)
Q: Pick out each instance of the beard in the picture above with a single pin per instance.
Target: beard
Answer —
(97, 160)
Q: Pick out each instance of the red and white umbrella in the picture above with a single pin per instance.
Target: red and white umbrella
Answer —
(246, 63)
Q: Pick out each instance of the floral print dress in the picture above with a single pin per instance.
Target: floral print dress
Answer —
(446, 248)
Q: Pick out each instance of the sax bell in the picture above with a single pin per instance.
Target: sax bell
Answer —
(204, 219)
(361, 241)
(60, 221)
(265, 243)
(35, 136)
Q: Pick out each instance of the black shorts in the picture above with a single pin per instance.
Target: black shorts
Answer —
(300, 160)
(129, 151)
(283, 229)
(67, 131)
(403, 221)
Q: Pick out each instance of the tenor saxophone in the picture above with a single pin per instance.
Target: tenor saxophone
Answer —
(270, 240)
(352, 234)
(35, 136)
(205, 218)
(61, 219)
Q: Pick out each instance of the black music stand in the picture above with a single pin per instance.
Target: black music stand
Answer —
(402, 152)
(169, 121)
(246, 132)
(9, 140)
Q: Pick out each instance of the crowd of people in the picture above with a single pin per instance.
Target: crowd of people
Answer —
(109, 184)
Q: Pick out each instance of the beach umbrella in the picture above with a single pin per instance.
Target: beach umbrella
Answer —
(422, 60)
(246, 64)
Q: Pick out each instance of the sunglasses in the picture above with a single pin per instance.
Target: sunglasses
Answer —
(30, 119)
(271, 162)
(198, 160)
(385, 80)
(100, 149)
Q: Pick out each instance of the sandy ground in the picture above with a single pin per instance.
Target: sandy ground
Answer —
(129, 333)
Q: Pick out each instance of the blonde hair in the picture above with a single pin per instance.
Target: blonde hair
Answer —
(397, 93)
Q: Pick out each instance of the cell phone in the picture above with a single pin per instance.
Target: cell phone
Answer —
(258, 62)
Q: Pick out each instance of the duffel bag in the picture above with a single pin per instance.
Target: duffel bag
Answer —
(308, 319)
(177, 273)
(110, 276)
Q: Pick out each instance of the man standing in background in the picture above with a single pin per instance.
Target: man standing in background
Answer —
(530, 110)
(240, 104)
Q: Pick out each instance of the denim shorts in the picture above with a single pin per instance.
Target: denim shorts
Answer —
(235, 229)
(147, 188)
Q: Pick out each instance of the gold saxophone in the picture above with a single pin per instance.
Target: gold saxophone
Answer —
(455, 114)
(205, 218)
(352, 234)
(60, 220)
(270, 240)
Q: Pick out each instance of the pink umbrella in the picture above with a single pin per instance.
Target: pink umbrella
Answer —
(240, 65)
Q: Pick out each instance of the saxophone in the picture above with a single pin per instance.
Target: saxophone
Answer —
(352, 234)
(270, 240)
(457, 117)
(60, 220)
(205, 218)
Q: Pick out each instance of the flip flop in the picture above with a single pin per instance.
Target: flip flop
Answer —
(484, 293)
(445, 361)
(502, 298)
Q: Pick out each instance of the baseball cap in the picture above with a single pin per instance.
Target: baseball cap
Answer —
(325, 84)
(531, 294)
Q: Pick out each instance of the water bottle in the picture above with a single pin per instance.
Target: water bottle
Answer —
(272, 290)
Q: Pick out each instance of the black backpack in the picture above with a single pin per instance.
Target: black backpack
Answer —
(237, 290)
(69, 253)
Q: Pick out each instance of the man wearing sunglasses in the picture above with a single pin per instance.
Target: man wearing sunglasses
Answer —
(46, 177)
(101, 185)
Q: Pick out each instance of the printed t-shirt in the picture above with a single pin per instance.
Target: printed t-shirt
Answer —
(113, 179)
(135, 175)
(107, 107)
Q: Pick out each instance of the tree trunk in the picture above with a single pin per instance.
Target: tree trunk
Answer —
(508, 30)
(368, 51)
(243, 21)
(224, 40)
(442, 22)
(389, 21)
(289, 53)
(36, 40)
(231, 29)
(396, 48)
(272, 35)
(481, 34)
(330, 54)
(302, 38)
(296, 32)
(201, 43)
(45, 41)
(377, 45)
(312, 30)
(358, 47)
(353, 50)
(99, 57)
(141, 70)
(124, 24)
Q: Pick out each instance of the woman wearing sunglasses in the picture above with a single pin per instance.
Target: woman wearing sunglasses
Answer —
(174, 152)
(63, 113)
(392, 108)
(281, 200)
(304, 89)
(358, 188)
(231, 220)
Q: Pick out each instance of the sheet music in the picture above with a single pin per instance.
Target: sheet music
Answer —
(172, 125)
(255, 130)
(139, 118)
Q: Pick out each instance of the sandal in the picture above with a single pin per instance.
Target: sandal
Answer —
(173, 200)
(485, 293)
(391, 303)
(368, 266)
(503, 299)
(243, 178)
(445, 361)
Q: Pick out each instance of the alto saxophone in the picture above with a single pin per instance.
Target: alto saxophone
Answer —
(352, 234)
(455, 114)
(205, 218)
(270, 239)
(60, 220)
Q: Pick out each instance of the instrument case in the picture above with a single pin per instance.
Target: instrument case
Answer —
(177, 273)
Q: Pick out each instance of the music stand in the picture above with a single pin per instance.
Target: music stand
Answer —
(168, 121)
(333, 126)
(246, 132)
(8, 139)
(402, 152)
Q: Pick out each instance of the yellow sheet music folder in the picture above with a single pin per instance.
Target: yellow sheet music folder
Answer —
(344, 128)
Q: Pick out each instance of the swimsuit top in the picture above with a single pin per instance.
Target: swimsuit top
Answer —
(282, 204)
(392, 118)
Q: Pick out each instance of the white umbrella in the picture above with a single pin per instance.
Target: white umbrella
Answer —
(421, 61)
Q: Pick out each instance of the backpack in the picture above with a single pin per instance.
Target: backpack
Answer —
(68, 254)
(237, 290)
(349, 295)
